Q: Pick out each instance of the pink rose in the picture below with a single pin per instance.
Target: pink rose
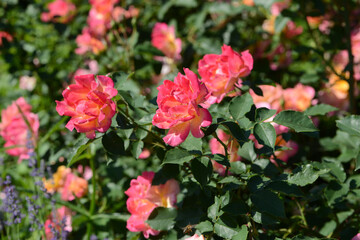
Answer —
(284, 155)
(163, 38)
(27, 83)
(93, 68)
(62, 214)
(356, 237)
(298, 98)
(144, 198)
(196, 237)
(86, 43)
(16, 132)
(65, 182)
(62, 9)
(272, 97)
(89, 104)
(145, 154)
(217, 148)
(179, 109)
(221, 72)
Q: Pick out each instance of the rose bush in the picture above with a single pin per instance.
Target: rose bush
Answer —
(207, 120)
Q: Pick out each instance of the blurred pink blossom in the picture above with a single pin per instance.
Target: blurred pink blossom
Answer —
(356, 237)
(54, 220)
(27, 83)
(87, 43)
(195, 237)
(145, 154)
(163, 38)
(5, 35)
(59, 11)
(298, 98)
(15, 130)
(93, 68)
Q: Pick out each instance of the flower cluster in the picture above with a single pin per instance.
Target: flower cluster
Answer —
(179, 101)
(89, 104)
(101, 14)
(67, 184)
(61, 11)
(163, 38)
(179, 109)
(17, 121)
(221, 72)
(298, 98)
(144, 198)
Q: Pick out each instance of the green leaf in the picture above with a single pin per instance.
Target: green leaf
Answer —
(204, 227)
(202, 170)
(306, 175)
(123, 122)
(80, 146)
(239, 134)
(350, 124)
(335, 192)
(261, 114)
(120, 79)
(177, 156)
(295, 120)
(237, 167)
(265, 134)
(113, 144)
(226, 227)
(328, 228)
(214, 210)
(268, 202)
(192, 143)
(240, 105)
(236, 208)
(242, 235)
(137, 148)
(285, 188)
(247, 151)
(221, 159)
(162, 219)
(280, 23)
(320, 109)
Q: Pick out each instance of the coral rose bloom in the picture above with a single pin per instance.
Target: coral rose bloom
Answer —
(89, 104)
(144, 198)
(16, 132)
(272, 97)
(62, 9)
(221, 72)
(298, 98)
(178, 108)
(163, 38)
